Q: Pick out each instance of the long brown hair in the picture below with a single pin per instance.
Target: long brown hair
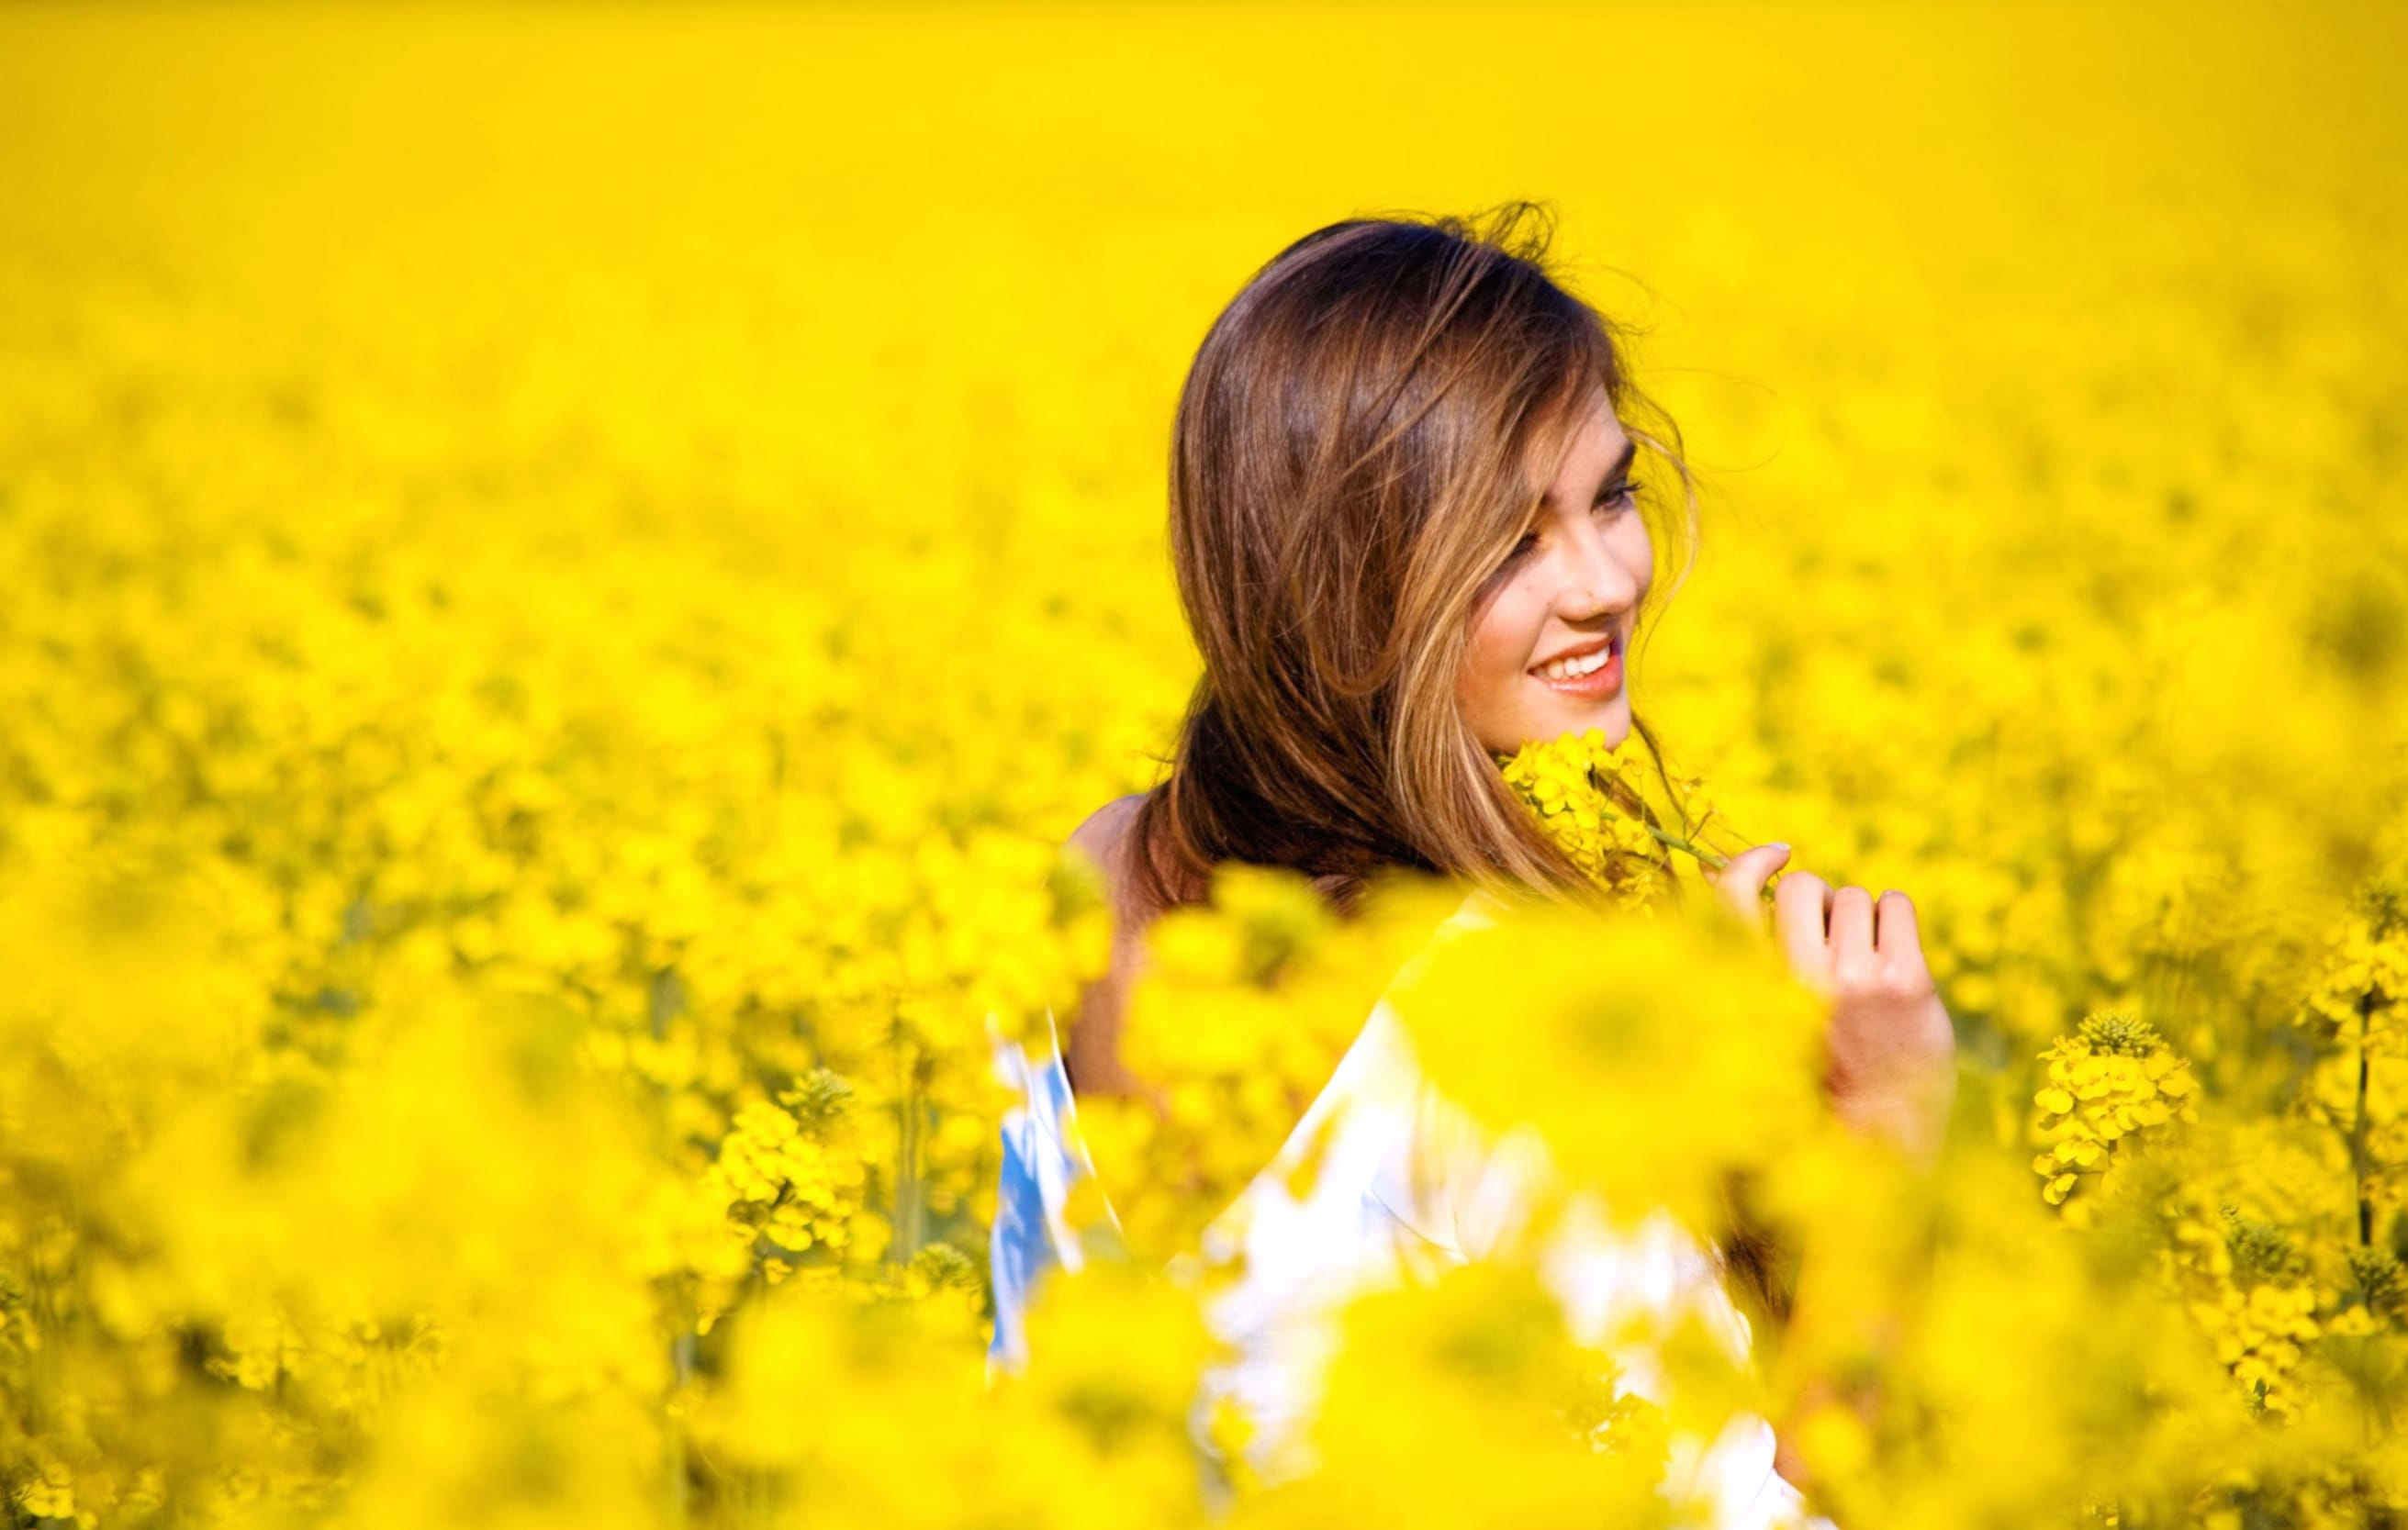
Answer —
(1353, 457)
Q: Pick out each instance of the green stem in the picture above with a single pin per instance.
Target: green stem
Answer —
(2361, 1160)
(679, 1489)
(1705, 857)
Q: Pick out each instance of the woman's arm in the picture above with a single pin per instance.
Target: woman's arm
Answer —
(1891, 1080)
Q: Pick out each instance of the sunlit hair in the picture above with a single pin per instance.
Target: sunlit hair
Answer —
(1366, 432)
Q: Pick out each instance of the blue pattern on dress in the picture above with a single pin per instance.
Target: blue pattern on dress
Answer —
(1037, 1170)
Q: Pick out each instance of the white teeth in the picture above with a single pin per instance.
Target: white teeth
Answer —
(1573, 669)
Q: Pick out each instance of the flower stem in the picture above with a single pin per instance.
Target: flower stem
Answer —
(1705, 857)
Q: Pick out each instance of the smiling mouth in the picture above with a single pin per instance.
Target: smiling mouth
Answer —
(1582, 666)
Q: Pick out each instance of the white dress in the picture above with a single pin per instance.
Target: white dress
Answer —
(1407, 1184)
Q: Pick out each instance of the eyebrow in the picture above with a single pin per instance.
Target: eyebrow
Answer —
(1620, 465)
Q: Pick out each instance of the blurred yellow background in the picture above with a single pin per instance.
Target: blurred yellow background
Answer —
(653, 514)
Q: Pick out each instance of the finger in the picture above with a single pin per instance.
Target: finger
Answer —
(1797, 906)
(1822, 904)
(1740, 881)
(1851, 923)
(1894, 928)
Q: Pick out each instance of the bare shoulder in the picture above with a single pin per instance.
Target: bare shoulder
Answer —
(1104, 837)
(1093, 1051)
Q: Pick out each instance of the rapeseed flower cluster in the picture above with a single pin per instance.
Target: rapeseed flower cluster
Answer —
(551, 645)
(2107, 1087)
(1589, 801)
(790, 1177)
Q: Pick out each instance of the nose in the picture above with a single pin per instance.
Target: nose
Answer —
(1597, 581)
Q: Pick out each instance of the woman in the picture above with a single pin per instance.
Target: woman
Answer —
(1408, 541)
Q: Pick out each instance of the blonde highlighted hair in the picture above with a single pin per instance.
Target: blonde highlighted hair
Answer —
(1364, 432)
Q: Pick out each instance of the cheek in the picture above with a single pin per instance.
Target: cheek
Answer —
(1638, 552)
(1500, 639)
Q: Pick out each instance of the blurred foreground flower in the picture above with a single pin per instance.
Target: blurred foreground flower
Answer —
(1655, 1057)
(1244, 1007)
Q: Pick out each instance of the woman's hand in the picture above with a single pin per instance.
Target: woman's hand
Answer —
(1891, 1049)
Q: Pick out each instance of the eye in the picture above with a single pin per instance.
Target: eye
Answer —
(1624, 494)
(1523, 548)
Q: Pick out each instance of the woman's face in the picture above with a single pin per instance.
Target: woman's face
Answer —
(1545, 655)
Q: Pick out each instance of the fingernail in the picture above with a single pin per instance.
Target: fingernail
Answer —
(1777, 844)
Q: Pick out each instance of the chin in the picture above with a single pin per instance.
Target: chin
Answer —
(1611, 718)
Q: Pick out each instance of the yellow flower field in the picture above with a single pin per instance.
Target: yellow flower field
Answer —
(568, 567)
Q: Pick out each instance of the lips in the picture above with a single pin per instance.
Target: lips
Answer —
(1591, 670)
(1578, 658)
